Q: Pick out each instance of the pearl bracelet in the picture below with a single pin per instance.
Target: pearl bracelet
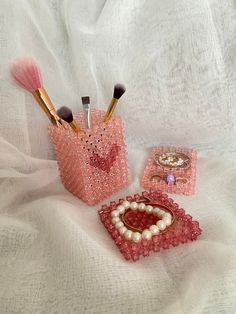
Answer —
(161, 225)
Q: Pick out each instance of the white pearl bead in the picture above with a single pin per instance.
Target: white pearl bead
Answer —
(122, 230)
(161, 213)
(146, 234)
(134, 205)
(141, 207)
(167, 215)
(149, 209)
(115, 220)
(119, 225)
(156, 210)
(154, 230)
(126, 204)
(128, 234)
(136, 237)
(121, 209)
(161, 225)
(167, 220)
(115, 213)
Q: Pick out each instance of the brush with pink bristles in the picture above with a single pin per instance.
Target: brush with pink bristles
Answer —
(26, 73)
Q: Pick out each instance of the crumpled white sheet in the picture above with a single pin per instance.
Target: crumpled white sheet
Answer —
(56, 256)
(177, 59)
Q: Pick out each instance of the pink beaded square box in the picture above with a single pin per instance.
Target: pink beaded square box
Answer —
(172, 170)
(146, 223)
(92, 163)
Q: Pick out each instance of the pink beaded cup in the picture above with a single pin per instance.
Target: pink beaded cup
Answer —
(171, 169)
(180, 228)
(93, 163)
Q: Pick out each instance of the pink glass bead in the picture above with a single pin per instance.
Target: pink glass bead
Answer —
(177, 180)
(93, 163)
(182, 230)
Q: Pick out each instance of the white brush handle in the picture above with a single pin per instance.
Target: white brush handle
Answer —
(88, 117)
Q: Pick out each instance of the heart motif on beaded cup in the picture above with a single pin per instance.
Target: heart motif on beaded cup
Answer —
(106, 163)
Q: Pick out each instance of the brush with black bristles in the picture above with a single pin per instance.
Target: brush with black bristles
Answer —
(66, 114)
(119, 90)
(86, 105)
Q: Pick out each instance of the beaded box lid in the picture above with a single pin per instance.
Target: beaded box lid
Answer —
(171, 169)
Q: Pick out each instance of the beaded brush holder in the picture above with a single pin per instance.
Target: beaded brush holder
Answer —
(92, 163)
(172, 170)
(147, 222)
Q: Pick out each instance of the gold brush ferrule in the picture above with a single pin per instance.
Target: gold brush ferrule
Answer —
(75, 126)
(46, 104)
(110, 110)
(56, 121)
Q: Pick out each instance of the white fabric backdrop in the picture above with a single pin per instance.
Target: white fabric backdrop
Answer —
(177, 59)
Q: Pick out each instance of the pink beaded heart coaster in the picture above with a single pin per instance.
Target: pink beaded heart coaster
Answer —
(147, 222)
(171, 169)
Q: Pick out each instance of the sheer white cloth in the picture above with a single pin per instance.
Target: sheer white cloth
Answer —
(177, 59)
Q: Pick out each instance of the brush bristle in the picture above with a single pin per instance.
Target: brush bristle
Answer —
(65, 113)
(85, 100)
(119, 90)
(26, 73)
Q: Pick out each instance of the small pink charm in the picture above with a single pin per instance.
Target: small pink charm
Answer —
(173, 170)
(146, 223)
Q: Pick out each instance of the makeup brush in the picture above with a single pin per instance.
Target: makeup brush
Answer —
(86, 105)
(66, 114)
(26, 73)
(119, 90)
